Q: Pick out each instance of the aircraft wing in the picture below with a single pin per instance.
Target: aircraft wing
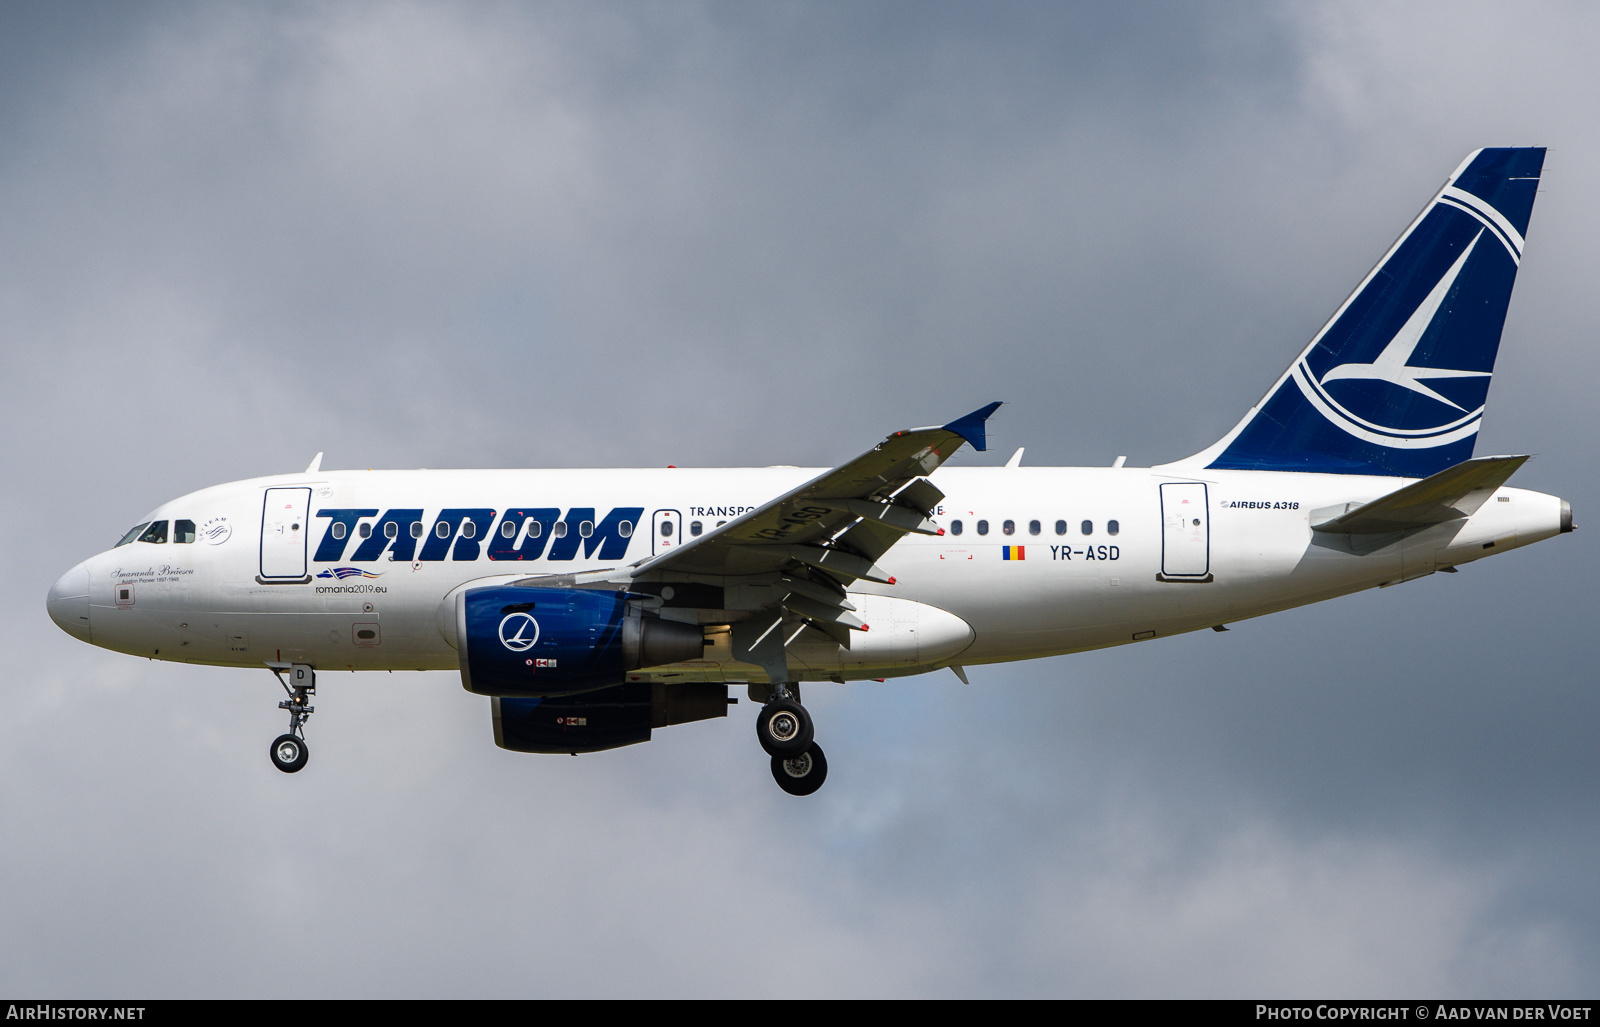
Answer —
(791, 560)
(1453, 493)
(839, 522)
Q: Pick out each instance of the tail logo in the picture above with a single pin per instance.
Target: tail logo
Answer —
(1395, 382)
(1393, 367)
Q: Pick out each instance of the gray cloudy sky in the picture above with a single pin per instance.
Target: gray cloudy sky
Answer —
(587, 235)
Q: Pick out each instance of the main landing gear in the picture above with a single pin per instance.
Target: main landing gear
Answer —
(784, 729)
(289, 751)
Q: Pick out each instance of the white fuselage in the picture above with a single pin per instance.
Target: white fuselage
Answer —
(957, 598)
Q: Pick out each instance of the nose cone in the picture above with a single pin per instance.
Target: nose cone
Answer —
(69, 602)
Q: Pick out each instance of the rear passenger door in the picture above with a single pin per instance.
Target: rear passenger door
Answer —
(1185, 532)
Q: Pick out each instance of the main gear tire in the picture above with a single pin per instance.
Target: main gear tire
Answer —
(802, 774)
(783, 727)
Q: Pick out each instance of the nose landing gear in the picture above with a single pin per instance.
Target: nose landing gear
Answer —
(289, 751)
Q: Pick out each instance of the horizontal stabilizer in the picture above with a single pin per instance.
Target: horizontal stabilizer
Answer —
(1450, 495)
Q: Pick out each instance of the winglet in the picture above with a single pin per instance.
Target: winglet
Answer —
(971, 426)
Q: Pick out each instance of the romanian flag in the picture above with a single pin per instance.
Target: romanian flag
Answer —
(1013, 552)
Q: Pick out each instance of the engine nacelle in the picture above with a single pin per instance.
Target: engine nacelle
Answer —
(517, 641)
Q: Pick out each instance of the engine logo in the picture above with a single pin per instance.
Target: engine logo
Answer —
(514, 628)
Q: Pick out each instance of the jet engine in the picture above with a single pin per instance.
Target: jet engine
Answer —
(517, 641)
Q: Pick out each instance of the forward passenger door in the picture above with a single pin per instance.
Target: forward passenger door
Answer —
(283, 534)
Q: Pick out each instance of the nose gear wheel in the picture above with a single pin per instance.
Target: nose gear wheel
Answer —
(289, 751)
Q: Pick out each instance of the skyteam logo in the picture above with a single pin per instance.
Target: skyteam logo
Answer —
(216, 531)
(348, 572)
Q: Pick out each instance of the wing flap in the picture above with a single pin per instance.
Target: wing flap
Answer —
(893, 515)
(922, 495)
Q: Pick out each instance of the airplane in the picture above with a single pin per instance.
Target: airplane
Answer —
(594, 606)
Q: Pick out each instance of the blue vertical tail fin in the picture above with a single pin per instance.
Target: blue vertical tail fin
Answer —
(1395, 383)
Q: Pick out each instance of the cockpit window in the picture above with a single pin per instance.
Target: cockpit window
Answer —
(157, 532)
(183, 531)
(132, 534)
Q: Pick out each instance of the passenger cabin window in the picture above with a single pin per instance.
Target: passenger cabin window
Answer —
(365, 531)
(695, 528)
(1088, 527)
(561, 529)
(133, 533)
(416, 529)
(625, 529)
(1009, 527)
(1033, 528)
(666, 529)
(1061, 527)
(983, 527)
(535, 529)
(955, 527)
(442, 529)
(157, 532)
(391, 530)
(508, 529)
(469, 528)
(586, 528)
(1112, 527)
(339, 529)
